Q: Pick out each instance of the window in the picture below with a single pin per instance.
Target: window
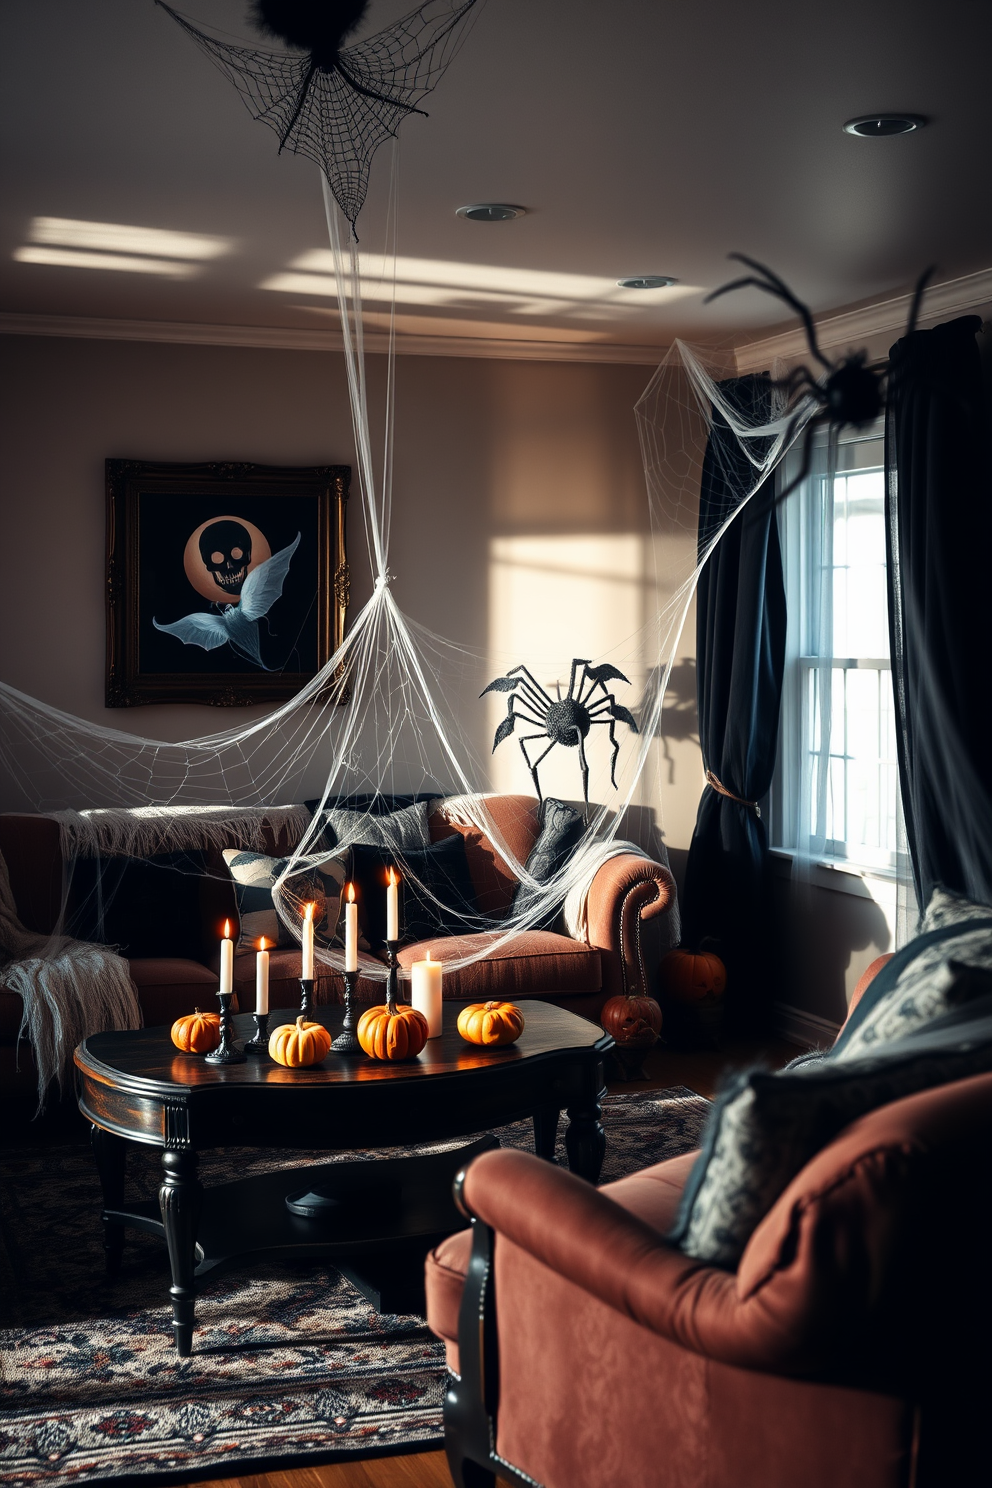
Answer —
(836, 784)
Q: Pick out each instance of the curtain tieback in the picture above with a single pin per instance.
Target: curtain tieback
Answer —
(721, 789)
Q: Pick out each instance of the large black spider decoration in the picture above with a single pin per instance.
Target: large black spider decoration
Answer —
(563, 720)
(848, 392)
(337, 104)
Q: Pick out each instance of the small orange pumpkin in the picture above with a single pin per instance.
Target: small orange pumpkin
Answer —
(394, 1031)
(632, 1021)
(197, 1033)
(300, 1043)
(693, 976)
(491, 1023)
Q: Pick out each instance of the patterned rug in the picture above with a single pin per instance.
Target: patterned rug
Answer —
(291, 1366)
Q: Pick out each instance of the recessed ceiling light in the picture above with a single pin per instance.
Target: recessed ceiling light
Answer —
(490, 212)
(647, 281)
(875, 126)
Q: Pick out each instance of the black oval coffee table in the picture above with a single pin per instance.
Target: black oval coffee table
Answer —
(380, 1216)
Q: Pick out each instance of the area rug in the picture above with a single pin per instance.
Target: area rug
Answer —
(291, 1365)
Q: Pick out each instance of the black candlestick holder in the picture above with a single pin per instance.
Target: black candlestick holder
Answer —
(306, 998)
(392, 980)
(347, 1040)
(227, 1051)
(260, 1043)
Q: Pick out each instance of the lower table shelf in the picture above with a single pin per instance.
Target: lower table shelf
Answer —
(378, 1219)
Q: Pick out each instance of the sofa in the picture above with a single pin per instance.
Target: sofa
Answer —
(627, 891)
(849, 1347)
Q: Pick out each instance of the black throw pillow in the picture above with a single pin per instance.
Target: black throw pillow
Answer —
(560, 830)
(147, 906)
(440, 870)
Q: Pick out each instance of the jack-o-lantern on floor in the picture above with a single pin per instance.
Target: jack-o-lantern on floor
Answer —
(635, 1025)
(692, 988)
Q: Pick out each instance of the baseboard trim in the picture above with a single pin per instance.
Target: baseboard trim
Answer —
(800, 1027)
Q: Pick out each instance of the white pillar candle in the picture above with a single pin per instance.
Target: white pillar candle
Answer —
(350, 930)
(426, 993)
(227, 960)
(307, 972)
(262, 978)
(393, 905)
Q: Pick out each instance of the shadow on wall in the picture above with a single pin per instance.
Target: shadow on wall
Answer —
(679, 721)
(822, 932)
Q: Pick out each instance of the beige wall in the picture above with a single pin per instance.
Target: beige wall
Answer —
(498, 464)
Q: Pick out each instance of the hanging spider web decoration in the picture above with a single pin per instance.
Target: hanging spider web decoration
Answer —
(338, 113)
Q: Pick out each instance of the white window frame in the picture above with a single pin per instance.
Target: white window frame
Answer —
(796, 515)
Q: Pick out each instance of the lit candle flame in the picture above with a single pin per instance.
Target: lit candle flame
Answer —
(263, 944)
(227, 929)
(351, 893)
(308, 911)
(392, 876)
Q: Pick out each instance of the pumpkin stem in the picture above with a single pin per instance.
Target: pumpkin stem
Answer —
(300, 1021)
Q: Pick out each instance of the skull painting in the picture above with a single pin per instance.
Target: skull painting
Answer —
(225, 548)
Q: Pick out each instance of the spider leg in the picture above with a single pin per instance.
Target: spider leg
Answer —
(378, 97)
(528, 678)
(584, 767)
(773, 285)
(527, 739)
(576, 662)
(807, 460)
(914, 309)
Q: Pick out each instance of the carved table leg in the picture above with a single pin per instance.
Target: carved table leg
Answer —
(179, 1199)
(546, 1132)
(585, 1139)
(110, 1152)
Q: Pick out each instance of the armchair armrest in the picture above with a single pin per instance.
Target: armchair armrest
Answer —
(625, 891)
(585, 1237)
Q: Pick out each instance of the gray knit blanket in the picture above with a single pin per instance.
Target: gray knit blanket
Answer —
(68, 989)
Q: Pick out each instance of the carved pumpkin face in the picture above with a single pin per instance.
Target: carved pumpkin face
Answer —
(632, 1020)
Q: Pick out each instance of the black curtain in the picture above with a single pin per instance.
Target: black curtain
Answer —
(740, 657)
(939, 517)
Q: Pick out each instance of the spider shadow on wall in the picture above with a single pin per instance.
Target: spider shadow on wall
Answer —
(679, 720)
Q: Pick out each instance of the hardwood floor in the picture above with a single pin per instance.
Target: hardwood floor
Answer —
(425, 1470)
(700, 1070)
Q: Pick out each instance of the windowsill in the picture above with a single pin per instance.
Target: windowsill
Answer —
(836, 874)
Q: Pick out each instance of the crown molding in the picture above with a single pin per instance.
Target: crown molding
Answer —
(302, 338)
(972, 292)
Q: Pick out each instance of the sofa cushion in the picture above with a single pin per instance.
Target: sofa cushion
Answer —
(764, 1127)
(144, 907)
(436, 894)
(315, 878)
(404, 828)
(514, 825)
(526, 965)
(560, 830)
(169, 987)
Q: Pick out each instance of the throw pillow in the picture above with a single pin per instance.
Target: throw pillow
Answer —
(315, 878)
(560, 830)
(436, 893)
(764, 1127)
(398, 829)
(147, 907)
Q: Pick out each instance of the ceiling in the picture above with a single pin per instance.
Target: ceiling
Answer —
(641, 138)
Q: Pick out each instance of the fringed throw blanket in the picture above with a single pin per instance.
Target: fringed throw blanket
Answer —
(69, 989)
(142, 831)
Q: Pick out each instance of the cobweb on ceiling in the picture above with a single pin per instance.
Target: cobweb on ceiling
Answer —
(338, 114)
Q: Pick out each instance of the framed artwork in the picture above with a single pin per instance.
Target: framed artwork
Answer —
(227, 583)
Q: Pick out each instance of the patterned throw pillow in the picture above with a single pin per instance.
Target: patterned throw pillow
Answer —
(764, 1128)
(560, 830)
(400, 829)
(316, 879)
(925, 1019)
